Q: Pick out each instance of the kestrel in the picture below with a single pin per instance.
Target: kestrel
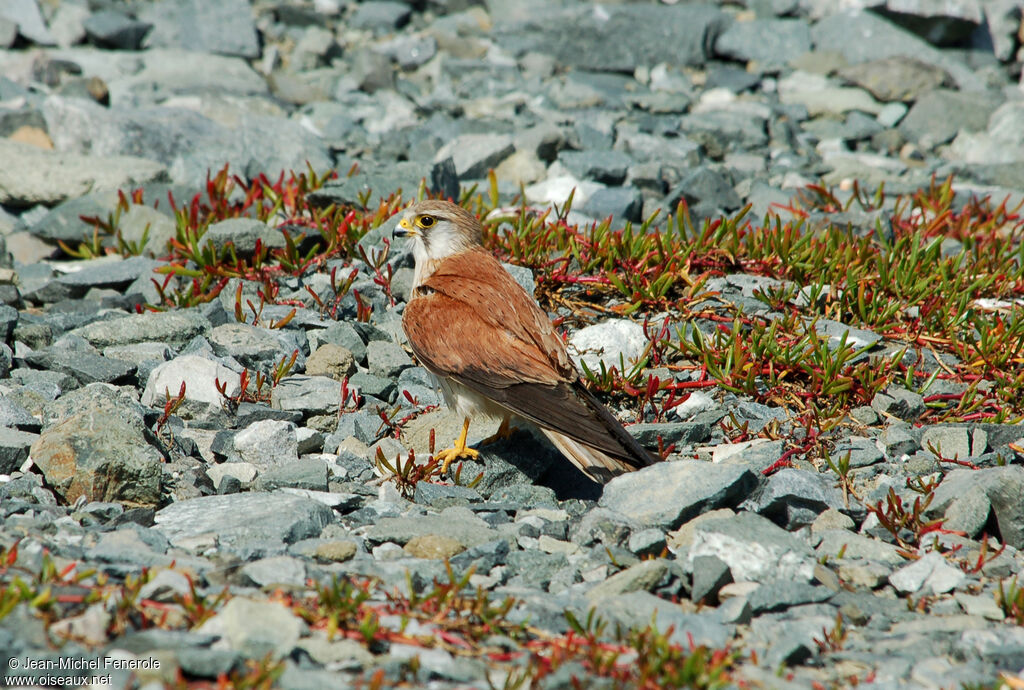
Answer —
(494, 352)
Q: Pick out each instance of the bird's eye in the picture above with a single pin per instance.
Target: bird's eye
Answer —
(425, 221)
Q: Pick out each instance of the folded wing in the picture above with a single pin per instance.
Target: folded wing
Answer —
(471, 322)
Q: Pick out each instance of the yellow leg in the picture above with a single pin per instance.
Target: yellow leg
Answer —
(447, 457)
(505, 431)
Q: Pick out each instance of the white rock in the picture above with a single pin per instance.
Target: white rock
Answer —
(931, 573)
(199, 375)
(613, 342)
(268, 442)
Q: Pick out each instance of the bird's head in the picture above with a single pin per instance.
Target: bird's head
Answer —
(439, 229)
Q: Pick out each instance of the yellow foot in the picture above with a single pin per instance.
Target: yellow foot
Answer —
(450, 455)
(505, 431)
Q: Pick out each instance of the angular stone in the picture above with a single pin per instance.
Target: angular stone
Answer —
(754, 548)
(100, 456)
(794, 498)
(475, 154)
(436, 546)
(456, 523)
(836, 543)
(267, 443)
(644, 576)
(896, 78)
(669, 433)
(225, 28)
(256, 628)
(668, 494)
(14, 448)
(640, 608)
(114, 30)
(767, 42)
(930, 574)
(252, 525)
(308, 395)
(199, 376)
(678, 35)
(331, 360)
(386, 359)
(614, 343)
(31, 175)
(939, 115)
(176, 328)
(606, 167)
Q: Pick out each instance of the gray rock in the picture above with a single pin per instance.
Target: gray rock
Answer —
(308, 395)
(770, 43)
(386, 359)
(793, 498)
(256, 628)
(644, 576)
(226, 28)
(342, 334)
(256, 347)
(640, 609)
(374, 386)
(15, 416)
(1003, 648)
(243, 234)
(930, 574)
(276, 571)
(1002, 486)
(29, 20)
(175, 328)
(704, 187)
(863, 452)
(606, 167)
(861, 36)
(305, 474)
(32, 175)
(781, 594)
(856, 338)
(101, 456)
(754, 548)
(899, 403)
(252, 525)
(856, 546)
(132, 544)
(114, 30)
(788, 643)
(710, 574)
(84, 365)
(669, 433)
(670, 493)
(897, 439)
(677, 35)
(475, 154)
(949, 442)
(267, 443)
(895, 78)
(119, 402)
(380, 16)
(14, 448)
(623, 204)
(458, 523)
(940, 115)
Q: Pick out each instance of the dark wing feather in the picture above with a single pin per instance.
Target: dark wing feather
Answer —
(471, 322)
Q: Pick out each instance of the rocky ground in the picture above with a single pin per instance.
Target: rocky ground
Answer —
(214, 447)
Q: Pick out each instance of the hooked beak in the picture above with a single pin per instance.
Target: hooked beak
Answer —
(403, 229)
